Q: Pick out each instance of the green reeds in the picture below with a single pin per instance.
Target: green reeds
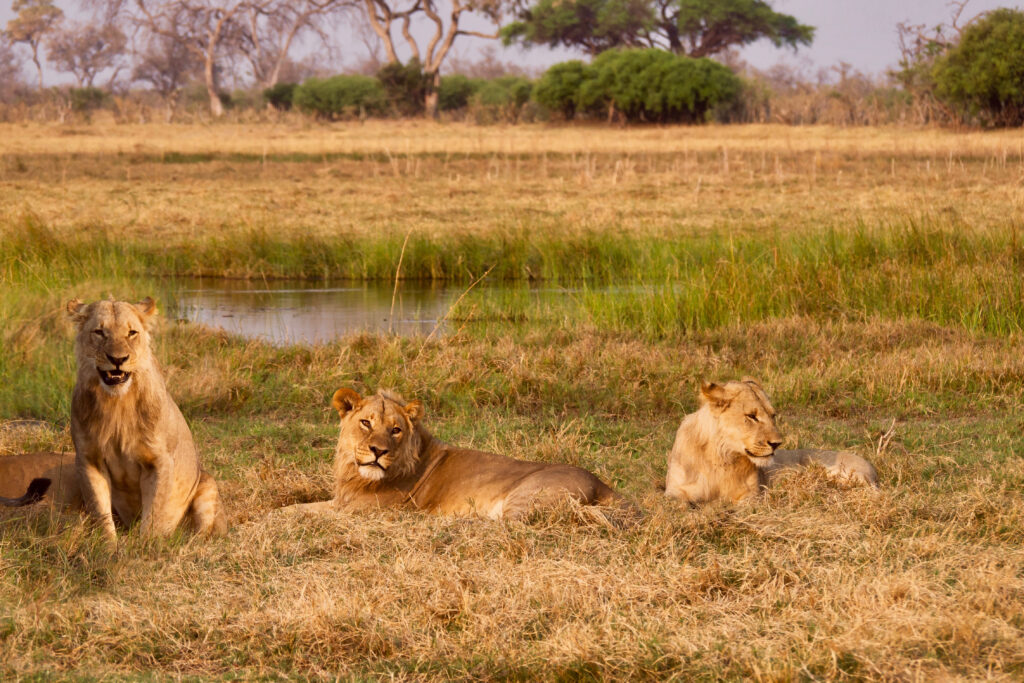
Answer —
(932, 268)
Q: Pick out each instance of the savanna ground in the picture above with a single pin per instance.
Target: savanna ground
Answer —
(871, 278)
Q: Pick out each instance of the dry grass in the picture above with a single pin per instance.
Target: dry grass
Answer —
(922, 579)
(417, 137)
(444, 181)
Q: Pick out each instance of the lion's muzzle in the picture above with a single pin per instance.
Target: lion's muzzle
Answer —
(114, 377)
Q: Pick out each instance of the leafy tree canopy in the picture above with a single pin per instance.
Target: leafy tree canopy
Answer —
(639, 85)
(696, 28)
(983, 74)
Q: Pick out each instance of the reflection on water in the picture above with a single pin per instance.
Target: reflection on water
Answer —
(290, 312)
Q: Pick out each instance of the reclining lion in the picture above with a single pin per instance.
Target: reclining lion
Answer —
(728, 448)
(134, 451)
(386, 458)
(30, 477)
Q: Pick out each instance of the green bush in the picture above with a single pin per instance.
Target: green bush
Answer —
(86, 99)
(405, 86)
(279, 96)
(501, 99)
(456, 91)
(558, 90)
(650, 85)
(340, 96)
(641, 85)
(983, 75)
(242, 99)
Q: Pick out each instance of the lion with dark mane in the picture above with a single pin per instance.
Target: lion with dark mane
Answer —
(386, 458)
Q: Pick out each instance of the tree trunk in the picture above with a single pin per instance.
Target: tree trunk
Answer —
(430, 101)
(216, 107)
(39, 67)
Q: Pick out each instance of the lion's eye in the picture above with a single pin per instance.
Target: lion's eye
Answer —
(396, 430)
(132, 333)
(752, 416)
(99, 333)
(365, 423)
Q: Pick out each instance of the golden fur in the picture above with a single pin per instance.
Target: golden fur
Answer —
(134, 452)
(728, 448)
(385, 457)
(18, 471)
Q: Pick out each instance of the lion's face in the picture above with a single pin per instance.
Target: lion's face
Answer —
(378, 434)
(112, 340)
(746, 419)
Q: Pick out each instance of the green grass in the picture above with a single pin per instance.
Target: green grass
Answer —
(935, 269)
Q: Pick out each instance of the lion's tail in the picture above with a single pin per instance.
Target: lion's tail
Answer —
(37, 488)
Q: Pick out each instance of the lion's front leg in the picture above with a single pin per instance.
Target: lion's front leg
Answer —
(686, 484)
(161, 512)
(96, 494)
(206, 510)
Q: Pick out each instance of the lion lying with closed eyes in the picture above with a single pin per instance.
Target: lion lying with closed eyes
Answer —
(728, 448)
(386, 458)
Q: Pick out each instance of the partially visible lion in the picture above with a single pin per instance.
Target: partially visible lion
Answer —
(20, 477)
(386, 458)
(134, 452)
(728, 448)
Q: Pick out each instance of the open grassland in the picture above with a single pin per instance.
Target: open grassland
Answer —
(872, 279)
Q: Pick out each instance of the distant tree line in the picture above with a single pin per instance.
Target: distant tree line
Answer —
(654, 61)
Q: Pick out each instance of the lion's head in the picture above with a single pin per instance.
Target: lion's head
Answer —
(379, 439)
(745, 419)
(112, 340)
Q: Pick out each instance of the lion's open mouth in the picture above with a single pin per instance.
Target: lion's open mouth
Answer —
(114, 377)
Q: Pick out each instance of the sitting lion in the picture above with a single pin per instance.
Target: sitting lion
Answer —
(727, 449)
(386, 457)
(133, 451)
(29, 477)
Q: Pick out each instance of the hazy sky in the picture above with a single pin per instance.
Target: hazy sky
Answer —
(860, 32)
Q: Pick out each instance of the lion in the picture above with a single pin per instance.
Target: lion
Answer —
(27, 478)
(386, 458)
(728, 449)
(134, 454)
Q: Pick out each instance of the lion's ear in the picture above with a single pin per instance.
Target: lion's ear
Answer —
(77, 311)
(714, 394)
(344, 400)
(414, 409)
(146, 309)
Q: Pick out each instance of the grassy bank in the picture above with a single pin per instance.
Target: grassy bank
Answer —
(871, 279)
(935, 269)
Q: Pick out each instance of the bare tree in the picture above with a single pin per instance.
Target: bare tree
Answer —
(35, 20)
(10, 71)
(442, 26)
(207, 28)
(166, 65)
(85, 50)
(272, 28)
(920, 45)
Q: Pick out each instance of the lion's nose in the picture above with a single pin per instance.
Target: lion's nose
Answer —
(774, 444)
(116, 360)
(378, 452)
